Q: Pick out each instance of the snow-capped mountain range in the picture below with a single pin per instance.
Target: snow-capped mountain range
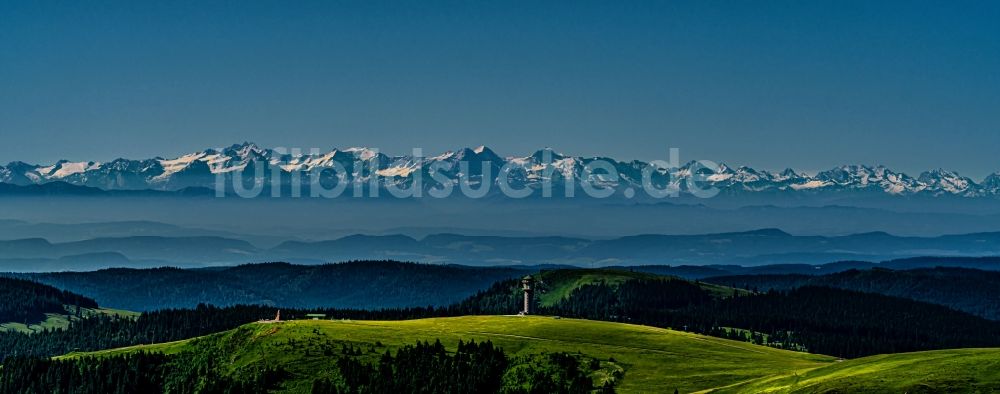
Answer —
(200, 169)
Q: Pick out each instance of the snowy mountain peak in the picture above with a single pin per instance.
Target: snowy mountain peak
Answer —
(364, 154)
(789, 174)
(64, 168)
(200, 168)
(244, 151)
(991, 185)
(481, 153)
(541, 154)
(947, 181)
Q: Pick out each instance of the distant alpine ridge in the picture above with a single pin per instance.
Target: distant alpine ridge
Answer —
(200, 169)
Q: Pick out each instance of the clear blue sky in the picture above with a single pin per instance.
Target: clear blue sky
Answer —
(911, 84)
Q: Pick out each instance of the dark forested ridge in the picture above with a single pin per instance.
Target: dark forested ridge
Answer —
(357, 284)
(969, 290)
(381, 284)
(850, 324)
(23, 301)
(988, 263)
(912, 263)
(818, 319)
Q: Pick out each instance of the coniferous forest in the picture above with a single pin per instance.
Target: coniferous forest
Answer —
(26, 301)
(424, 367)
(132, 373)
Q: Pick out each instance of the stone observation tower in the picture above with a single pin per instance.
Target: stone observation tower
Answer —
(528, 284)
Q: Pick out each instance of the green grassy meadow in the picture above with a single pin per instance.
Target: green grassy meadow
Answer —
(558, 284)
(652, 359)
(939, 371)
(61, 321)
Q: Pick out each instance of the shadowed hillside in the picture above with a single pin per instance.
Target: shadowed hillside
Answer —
(360, 284)
(969, 290)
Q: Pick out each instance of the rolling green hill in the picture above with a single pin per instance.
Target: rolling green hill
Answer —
(556, 285)
(939, 371)
(646, 359)
(29, 307)
(61, 321)
(637, 358)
